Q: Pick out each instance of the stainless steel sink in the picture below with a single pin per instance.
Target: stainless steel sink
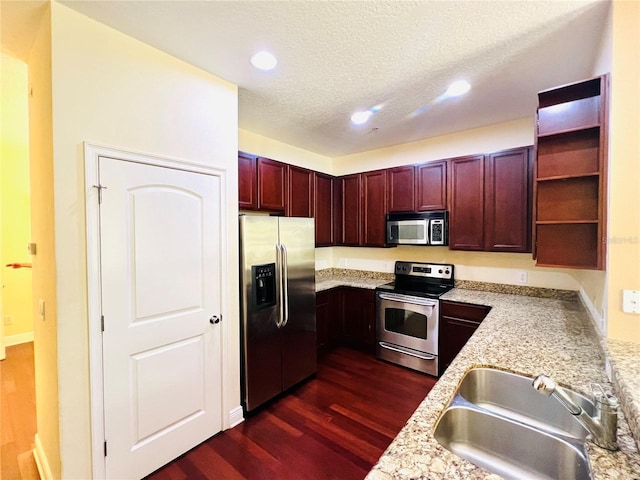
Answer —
(511, 449)
(512, 395)
(497, 421)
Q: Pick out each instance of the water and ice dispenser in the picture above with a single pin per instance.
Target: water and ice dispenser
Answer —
(263, 279)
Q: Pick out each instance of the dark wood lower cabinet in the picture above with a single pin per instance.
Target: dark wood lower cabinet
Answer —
(345, 316)
(458, 322)
(327, 320)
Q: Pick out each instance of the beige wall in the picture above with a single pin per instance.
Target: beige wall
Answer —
(111, 90)
(250, 142)
(44, 262)
(15, 217)
(624, 170)
(516, 133)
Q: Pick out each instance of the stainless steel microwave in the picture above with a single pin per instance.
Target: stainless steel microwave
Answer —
(425, 228)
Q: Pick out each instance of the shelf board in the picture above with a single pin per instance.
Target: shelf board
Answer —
(558, 265)
(568, 130)
(567, 177)
(566, 222)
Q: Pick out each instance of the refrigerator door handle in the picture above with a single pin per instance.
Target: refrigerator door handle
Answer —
(285, 284)
(279, 273)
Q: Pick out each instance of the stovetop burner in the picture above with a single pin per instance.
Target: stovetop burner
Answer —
(421, 279)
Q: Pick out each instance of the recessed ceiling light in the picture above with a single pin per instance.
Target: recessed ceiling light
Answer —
(360, 118)
(457, 88)
(264, 61)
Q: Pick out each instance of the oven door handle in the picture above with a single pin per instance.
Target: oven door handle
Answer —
(427, 302)
(406, 351)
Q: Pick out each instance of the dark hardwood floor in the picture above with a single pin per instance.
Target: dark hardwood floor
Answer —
(334, 426)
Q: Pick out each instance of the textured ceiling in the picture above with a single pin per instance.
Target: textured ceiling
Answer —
(336, 57)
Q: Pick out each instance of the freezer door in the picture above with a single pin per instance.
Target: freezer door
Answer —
(297, 237)
(261, 338)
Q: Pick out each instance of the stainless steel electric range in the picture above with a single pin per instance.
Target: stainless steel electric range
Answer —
(407, 314)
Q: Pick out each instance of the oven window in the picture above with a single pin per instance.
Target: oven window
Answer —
(405, 322)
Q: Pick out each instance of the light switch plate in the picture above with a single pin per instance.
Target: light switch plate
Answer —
(631, 301)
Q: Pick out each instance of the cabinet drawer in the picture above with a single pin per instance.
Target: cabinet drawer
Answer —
(465, 311)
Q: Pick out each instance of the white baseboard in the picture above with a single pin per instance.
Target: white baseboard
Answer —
(18, 339)
(235, 417)
(41, 460)
(596, 318)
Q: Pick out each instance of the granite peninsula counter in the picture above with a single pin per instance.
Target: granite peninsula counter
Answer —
(521, 334)
(524, 334)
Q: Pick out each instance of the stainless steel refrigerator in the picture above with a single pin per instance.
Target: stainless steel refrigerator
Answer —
(277, 285)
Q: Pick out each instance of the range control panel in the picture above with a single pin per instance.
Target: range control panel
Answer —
(425, 270)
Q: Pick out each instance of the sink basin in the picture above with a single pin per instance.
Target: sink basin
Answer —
(511, 395)
(497, 421)
(508, 448)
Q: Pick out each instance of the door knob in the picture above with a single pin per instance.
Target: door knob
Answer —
(215, 319)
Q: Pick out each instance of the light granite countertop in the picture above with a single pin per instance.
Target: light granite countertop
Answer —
(525, 335)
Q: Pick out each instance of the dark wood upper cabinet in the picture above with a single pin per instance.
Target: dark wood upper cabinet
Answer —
(272, 185)
(300, 194)
(337, 210)
(324, 209)
(508, 191)
(401, 189)
(431, 186)
(466, 218)
(374, 208)
(570, 187)
(247, 182)
(351, 208)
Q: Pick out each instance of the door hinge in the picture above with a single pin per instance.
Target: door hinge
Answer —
(102, 322)
(100, 188)
(105, 448)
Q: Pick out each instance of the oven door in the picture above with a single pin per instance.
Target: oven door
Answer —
(407, 331)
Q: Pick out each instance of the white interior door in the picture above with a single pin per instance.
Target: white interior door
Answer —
(160, 267)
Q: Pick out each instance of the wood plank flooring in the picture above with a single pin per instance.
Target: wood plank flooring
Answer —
(17, 413)
(334, 426)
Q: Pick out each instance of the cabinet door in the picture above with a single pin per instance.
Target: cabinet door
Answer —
(401, 189)
(351, 209)
(272, 182)
(431, 182)
(454, 334)
(374, 208)
(368, 299)
(323, 209)
(466, 219)
(508, 201)
(336, 184)
(458, 322)
(352, 314)
(300, 192)
(327, 321)
(247, 182)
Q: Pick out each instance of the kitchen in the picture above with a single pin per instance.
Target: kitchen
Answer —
(490, 267)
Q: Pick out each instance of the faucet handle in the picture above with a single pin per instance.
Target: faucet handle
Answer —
(603, 397)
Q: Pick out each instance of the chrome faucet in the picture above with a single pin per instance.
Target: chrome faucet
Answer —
(603, 427)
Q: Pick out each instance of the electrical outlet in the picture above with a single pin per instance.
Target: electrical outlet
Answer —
(523, 277)
(8, 320)
(631, 301)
